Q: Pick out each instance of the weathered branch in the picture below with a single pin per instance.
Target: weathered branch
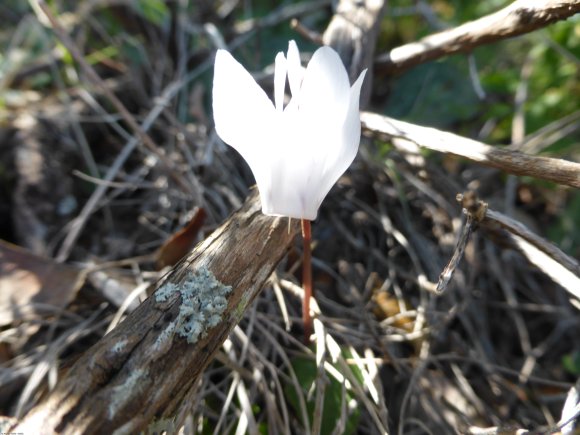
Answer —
(548, 258)
(148, 364)
(522, 16)
(557, 170)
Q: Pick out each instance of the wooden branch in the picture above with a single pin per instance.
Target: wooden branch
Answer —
(353, 33)
(518, 229)
(547, 257)
(522, 16)
(557, 170)
(149, 363)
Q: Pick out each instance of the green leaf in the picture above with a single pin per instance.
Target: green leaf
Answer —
(571, 363)
(306, 372)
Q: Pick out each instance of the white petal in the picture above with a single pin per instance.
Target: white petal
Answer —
(325, 87)
(292, 188)
(351, 128)
(241, 109)
(280, 69)
(291, 192)
(295, 70)
(346, 148)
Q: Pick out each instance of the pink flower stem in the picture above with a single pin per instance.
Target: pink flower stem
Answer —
(306, 279)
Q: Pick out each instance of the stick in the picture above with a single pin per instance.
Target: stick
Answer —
(353, 33)
(307, 279)
(522, 16)
(547, 257)
(150, 363)
(557, 170)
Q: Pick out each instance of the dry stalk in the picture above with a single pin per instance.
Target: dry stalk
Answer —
(520, 17)
(558, 171)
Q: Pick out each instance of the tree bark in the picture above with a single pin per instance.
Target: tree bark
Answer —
(522, 16)
(149, 363)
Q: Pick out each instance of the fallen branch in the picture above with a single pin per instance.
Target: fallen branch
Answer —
(522, 16)
(546, 256)
(556, 170)
(148, 365)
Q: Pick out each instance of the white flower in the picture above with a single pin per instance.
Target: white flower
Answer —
(297, 152)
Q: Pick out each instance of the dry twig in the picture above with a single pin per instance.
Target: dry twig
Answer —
(559, 266)
(557, 170)
(522, 16)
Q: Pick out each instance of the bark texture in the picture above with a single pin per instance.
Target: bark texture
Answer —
(147, 366)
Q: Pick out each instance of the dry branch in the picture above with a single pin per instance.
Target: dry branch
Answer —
(522, 16)
(547, 257)
(148, 365)
(557, 170)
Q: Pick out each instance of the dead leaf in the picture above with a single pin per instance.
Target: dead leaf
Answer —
(181, 242)
(30, 283)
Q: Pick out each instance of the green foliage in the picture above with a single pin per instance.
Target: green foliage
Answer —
(571, 363)
(436, 94)
(565, 232)
(155, 11)
(442, 93)
(306, 372)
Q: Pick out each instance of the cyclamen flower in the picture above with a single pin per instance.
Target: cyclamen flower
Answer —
(299, 151)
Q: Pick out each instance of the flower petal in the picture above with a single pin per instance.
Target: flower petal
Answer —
(280, 69)
(337, 162)
(295, 70)
(241, 109)
(325, 88)
(351, 127)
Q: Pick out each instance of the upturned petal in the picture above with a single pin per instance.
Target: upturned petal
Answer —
(295, 70)
(281, 66)
(325, 88)
(347, 145)
(243, 113)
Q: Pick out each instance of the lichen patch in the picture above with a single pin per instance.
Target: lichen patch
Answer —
(124, 392)
(119, 346)
(203, 302)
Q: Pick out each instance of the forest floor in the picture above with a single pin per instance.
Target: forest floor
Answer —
(98, 215)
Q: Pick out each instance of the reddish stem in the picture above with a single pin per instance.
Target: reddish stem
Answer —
(306, 279)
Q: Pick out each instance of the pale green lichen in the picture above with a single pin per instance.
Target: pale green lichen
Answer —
(203, 302)
(123, 393)
(163, 341)
(119, 346)
(165, 291)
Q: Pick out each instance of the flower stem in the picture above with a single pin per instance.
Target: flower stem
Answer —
(306, 279)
